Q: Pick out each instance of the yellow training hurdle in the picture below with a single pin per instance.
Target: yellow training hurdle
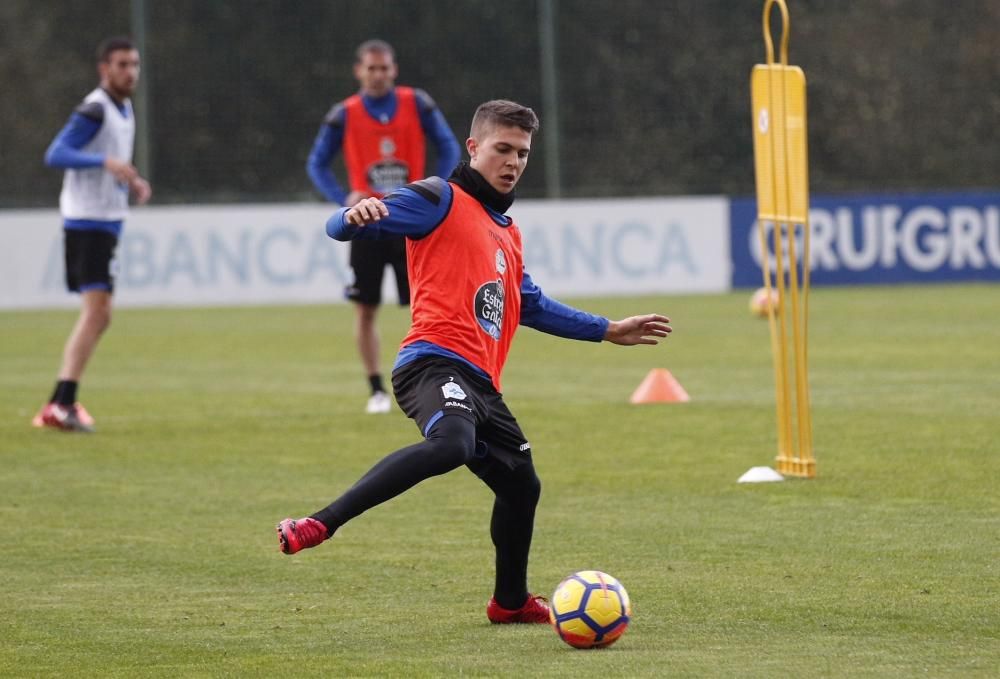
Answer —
(778, 98)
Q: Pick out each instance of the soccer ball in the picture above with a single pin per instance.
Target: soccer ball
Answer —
(590, 609)
(761, 301)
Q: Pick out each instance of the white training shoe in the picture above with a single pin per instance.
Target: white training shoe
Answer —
(379, 404)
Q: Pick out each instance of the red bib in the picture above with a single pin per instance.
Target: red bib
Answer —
(465, 282)
(381, 157)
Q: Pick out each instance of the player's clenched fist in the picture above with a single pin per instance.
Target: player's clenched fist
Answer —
(367, 211)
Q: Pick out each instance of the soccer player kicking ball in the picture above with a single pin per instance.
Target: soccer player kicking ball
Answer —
(470, 293)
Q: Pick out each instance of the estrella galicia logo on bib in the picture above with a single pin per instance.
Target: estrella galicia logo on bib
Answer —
(489, 307)
(388, 175)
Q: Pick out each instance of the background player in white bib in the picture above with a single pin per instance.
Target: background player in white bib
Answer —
(95, 149)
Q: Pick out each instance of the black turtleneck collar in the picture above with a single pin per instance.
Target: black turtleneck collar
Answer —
(476, 186)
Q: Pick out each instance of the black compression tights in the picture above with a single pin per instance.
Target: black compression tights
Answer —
(449, 445)
(517, 492)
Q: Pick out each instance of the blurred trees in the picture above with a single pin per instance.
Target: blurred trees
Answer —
(903, 94)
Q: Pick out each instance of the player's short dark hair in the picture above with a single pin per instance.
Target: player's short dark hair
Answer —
(504, 113)
(373, 46)
(110, 45)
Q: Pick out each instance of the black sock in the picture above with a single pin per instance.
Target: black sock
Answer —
(65, 393)
(375, 382)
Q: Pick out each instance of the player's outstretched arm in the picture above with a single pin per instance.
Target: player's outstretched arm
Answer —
(413, 211)
(638, 330)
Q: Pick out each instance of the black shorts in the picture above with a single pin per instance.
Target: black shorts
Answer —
(90, 260)
(434, 387)
(369, 259)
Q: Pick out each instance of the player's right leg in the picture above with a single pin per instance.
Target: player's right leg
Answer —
(436, 394)
(294, 535)
(449, 444)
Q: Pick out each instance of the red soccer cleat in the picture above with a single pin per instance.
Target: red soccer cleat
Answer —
(294, 535)
(56, 416)
(535, 609)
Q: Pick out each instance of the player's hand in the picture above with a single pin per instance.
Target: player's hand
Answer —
(123, 171)
(141, 190)
(638, 330)
(354, 197)
(368, 211)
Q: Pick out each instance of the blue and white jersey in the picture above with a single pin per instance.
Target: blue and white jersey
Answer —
(93, 193)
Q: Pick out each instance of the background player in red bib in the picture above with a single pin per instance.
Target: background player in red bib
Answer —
(470, 294)
(382, 130)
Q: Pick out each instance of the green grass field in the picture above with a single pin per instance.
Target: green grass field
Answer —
(148, 549)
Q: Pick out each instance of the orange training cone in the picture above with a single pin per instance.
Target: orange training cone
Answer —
(659, 387)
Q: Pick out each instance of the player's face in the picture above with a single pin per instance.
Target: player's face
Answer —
(500, 155)
(120, 73)
(376, 72)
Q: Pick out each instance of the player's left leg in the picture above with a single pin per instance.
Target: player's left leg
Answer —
(62, 411)
(89, 271)
(506, 467)
(368, 262)
(511, 527)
